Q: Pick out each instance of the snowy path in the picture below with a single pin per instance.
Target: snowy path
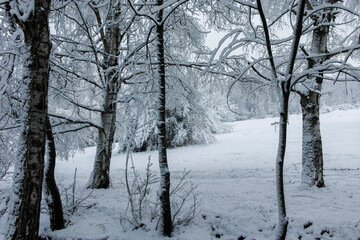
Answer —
(237, 185)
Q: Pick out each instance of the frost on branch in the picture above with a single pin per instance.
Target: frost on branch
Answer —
(22, 9)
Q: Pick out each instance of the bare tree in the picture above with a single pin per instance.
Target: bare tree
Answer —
(284, 94)
(166, 225)
(269, 74)
(100, 176)
(103, 45)
(323, 63)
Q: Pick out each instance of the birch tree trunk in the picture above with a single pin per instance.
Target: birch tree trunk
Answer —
(51, 191)
(312, 154)
(100, 176)
(24, 210)
(164, 192)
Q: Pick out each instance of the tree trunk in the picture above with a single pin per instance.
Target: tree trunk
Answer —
(284, 94)
(24, 211)
(312, 156)
(164, 192)
(283, 220)
(51, 191)
(100, 176)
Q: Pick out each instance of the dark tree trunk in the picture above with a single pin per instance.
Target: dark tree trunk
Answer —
(164, 192)
(100, 176)
(283, 221)
(24, 211)
(51, 191)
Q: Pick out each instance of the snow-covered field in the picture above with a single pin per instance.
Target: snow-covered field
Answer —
(236, 182)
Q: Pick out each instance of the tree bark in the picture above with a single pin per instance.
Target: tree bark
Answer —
(284, 94)
(312, 155)
(100, 176)
(24, 210)
(166, 226)
(283, 220)
(51, 191)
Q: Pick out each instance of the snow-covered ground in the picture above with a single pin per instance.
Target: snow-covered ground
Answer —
(236, 182)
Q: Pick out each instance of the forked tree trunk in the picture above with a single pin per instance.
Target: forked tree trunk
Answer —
(100, 176)
(312, 155)
(284, 94)
(166, 226)
(51, 191)
(24, 210)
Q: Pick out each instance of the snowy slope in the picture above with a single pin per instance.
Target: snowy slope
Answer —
(236, 186)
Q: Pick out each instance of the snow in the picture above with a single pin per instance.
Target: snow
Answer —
(236, 180)
(22, 9)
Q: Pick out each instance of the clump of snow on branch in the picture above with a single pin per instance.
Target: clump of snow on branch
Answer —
(22, 9)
